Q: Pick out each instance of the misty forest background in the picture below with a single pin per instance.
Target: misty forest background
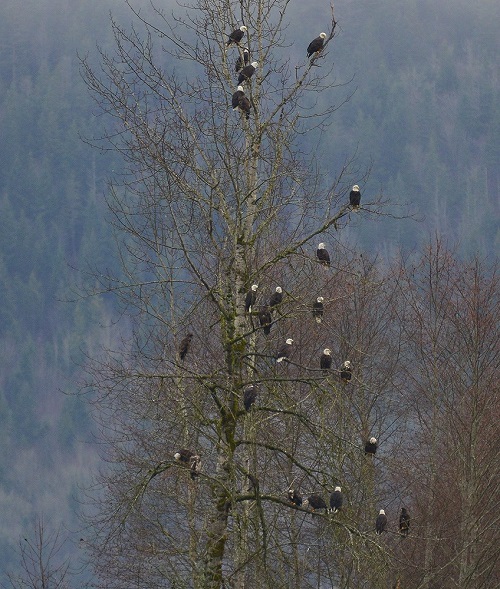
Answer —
(424, 115)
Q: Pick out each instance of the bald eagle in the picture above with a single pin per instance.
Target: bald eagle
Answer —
(190, 460)
(326, 360)
(240, 63)
(323, 255)
(318, 309)
(404, 522)
(265, 319)
(184, 455)
(355, 197)
(276, 297)
(236, 36)
(381, 522)
(346, 371)
(285, 350)
(336, 500)
(247, 72)
(235, 102)
(244, 104)
(249, 396)
(251, 297)
(294, 497)
(315, 501)
(184, 345)
(371, 446)
(316, 44)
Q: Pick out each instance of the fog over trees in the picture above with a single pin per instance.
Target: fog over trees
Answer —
(203, 204)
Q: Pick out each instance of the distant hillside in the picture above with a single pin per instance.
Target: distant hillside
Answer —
(427, 110)
(51, 222)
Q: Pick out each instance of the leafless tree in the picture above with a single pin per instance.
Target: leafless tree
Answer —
(211, 203)
(42, 561)
(451, 463)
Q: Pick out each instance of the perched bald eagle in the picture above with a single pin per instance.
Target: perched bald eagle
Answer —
(190, 460)
(235, 102)
(318, 309)
(381, 522)
(184, 455)
(249, 396)
(404, 522)
(355, 197)
(336, 500)
(276, 297)
(316, 44)
(244, 104)
(285, 350)
(371, 446)
(247, 72)
(236, 36)
(265, 319)
(294, 497)
(315, 501)
(323, 255)
(184, 345)
(346, 371)
(326, 360)
(240, 63)
(251, 297)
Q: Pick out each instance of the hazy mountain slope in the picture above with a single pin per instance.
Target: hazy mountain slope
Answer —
(427, 109)
(51, 221)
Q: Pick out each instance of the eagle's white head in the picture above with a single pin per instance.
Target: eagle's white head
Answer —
(322, 35)
(355, 188)
(177, 456)
(327, 351)
(321, 246)
(255, 64)
(243, 28)
(320, 299)
(289, 341)
(381, 512)
(373, 440)
(255, 287)
(338, 489)
(347, 364)
(240, 89)
(279, 289)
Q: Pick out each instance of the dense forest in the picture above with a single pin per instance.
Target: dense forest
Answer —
(422, 95)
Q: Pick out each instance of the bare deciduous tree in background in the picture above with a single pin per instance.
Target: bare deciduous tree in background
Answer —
(42, 561)
(451, 463)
